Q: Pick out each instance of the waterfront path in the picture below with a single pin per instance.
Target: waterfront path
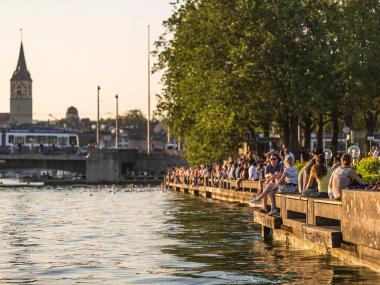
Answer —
(348, 229)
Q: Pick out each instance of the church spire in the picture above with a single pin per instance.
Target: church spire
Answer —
(21, 72)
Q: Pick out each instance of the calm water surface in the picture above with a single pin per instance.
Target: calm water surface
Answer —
(91, 236)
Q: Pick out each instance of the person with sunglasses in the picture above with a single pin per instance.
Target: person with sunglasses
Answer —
(273, 171)
(285, 182)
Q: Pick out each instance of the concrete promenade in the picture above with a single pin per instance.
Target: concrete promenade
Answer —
(347, 229)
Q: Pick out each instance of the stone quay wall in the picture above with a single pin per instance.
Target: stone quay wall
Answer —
(347, 229)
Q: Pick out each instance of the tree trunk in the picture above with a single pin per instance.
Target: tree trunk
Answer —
(285, 131)
(370, 118)
(320, 124)
(293, 135)
(335, 127)
(307, 130)
(348, 117)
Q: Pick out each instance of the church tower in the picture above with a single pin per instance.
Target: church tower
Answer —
(21, 93)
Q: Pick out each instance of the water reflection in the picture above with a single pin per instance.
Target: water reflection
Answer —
(92, 236)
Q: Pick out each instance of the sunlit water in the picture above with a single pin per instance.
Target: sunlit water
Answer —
(92, 236)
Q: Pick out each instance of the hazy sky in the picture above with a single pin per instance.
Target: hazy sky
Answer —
(71, 46)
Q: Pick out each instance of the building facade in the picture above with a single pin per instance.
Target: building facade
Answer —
(21, 101)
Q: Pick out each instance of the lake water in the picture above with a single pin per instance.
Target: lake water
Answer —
(92, 236)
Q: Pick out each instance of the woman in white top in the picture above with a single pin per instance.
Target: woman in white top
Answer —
(287, 183)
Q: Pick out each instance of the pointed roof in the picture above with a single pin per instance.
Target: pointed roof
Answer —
(21, 72)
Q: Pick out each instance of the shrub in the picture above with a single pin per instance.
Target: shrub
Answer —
(372, 178)
(298, 165)
(369, 168)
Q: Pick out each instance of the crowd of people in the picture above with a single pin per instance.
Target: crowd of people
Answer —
(276, 171)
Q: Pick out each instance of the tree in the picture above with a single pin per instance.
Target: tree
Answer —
(362, 51)
(237, 66)
(135, 122)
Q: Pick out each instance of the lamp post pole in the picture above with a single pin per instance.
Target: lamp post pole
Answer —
(97, 121)
(148, 125)
(117, 123)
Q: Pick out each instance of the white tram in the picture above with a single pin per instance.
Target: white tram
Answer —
(37, 138)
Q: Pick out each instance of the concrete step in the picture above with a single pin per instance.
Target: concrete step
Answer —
(273, 222)
(328, 236)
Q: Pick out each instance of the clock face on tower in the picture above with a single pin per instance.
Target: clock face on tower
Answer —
(21, 93)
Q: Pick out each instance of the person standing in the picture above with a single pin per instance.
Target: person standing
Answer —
(252, 171)
(376, 152)
(31, 146)
(19, 147)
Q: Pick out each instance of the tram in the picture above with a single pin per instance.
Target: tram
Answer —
(41, 140)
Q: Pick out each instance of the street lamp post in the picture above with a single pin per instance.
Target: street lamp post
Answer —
(97, 121)
(117, 123)
(148, 125)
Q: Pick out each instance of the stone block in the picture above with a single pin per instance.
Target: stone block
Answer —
(330, 237)
(327, 208)
(294, 224)
(361, 217)
(272, 222)
(296, 204)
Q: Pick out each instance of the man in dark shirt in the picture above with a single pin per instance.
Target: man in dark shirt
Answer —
(274, 165)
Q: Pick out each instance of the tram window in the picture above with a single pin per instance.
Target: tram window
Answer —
(51, 140)
(11, 139)
(41, 139)
(30, 139)
(62, 140)
(19, 139)
(73, 140)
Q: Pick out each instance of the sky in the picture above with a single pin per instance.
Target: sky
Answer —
(72, 46)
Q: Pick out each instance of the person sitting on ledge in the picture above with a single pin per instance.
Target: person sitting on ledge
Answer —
(336, 162)
(304, 174)
(287, 183)
(272, 170)
(232, 171)
(321, 174)
(243, 175)
(342, 177)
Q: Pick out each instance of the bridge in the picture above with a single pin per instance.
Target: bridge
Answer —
(99, 166)
(73, 163)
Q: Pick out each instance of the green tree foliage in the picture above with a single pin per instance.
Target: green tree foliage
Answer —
(136, 123)
(237, 66)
